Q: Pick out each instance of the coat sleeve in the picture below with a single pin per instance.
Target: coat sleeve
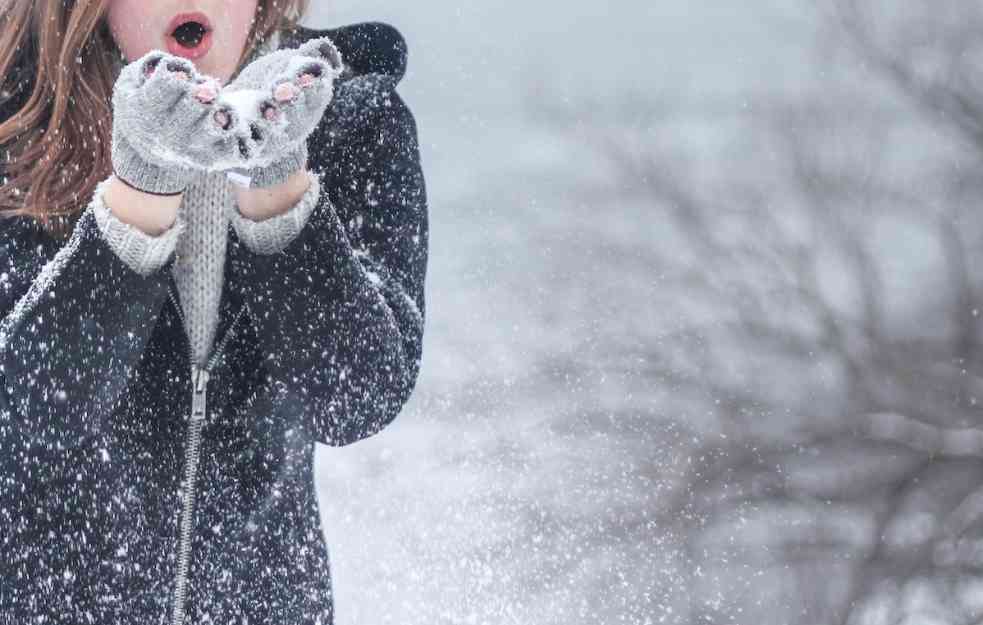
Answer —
(75, 321)
(340, 310)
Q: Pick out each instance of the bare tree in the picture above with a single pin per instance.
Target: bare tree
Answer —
(824, 278)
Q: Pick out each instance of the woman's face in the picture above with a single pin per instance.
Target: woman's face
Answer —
(211, 33)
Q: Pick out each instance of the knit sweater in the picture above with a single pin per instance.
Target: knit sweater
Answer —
(199, 237)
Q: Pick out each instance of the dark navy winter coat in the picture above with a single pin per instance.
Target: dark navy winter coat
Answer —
(97, 391)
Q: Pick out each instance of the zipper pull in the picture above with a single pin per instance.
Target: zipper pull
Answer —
(199, 393)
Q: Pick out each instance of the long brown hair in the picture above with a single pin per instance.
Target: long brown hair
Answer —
(58, 63)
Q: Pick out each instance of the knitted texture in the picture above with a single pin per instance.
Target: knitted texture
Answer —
(278, 171)
(144, 253)
(199, 238)
(270, 236)
(163, 133)
(199, 265)
(281, 97)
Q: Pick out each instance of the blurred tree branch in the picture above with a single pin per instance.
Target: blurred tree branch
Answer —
(844, 485)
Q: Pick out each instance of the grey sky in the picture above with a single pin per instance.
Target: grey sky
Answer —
(470, 62)
(473, 506)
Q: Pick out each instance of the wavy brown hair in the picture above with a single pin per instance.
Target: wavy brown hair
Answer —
(59, 61)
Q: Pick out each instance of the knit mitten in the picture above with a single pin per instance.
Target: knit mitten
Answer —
(274, 105)
(165, 131)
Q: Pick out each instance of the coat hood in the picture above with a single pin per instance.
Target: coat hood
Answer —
(366, 47)
(374, 58)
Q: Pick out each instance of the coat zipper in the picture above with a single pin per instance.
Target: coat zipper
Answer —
(199, 396)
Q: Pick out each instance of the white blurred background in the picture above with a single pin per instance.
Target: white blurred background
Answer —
(702, 320)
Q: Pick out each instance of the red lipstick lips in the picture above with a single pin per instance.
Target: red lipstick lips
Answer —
(189, 35)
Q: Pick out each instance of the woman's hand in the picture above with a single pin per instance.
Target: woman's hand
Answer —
(171, 123)
(167, 127)
(273, 106)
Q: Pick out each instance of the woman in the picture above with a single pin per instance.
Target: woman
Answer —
(168, 367)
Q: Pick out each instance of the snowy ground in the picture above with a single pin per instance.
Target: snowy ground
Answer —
(524, 482)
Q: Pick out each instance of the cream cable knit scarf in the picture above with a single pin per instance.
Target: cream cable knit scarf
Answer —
(200, 261)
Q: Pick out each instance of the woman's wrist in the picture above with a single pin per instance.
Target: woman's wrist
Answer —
(152, 214)
(262, 203)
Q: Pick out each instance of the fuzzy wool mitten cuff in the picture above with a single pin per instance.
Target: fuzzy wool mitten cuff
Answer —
(142, 252)
(278, 171)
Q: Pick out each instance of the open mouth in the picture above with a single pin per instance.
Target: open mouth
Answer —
(189, 35)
